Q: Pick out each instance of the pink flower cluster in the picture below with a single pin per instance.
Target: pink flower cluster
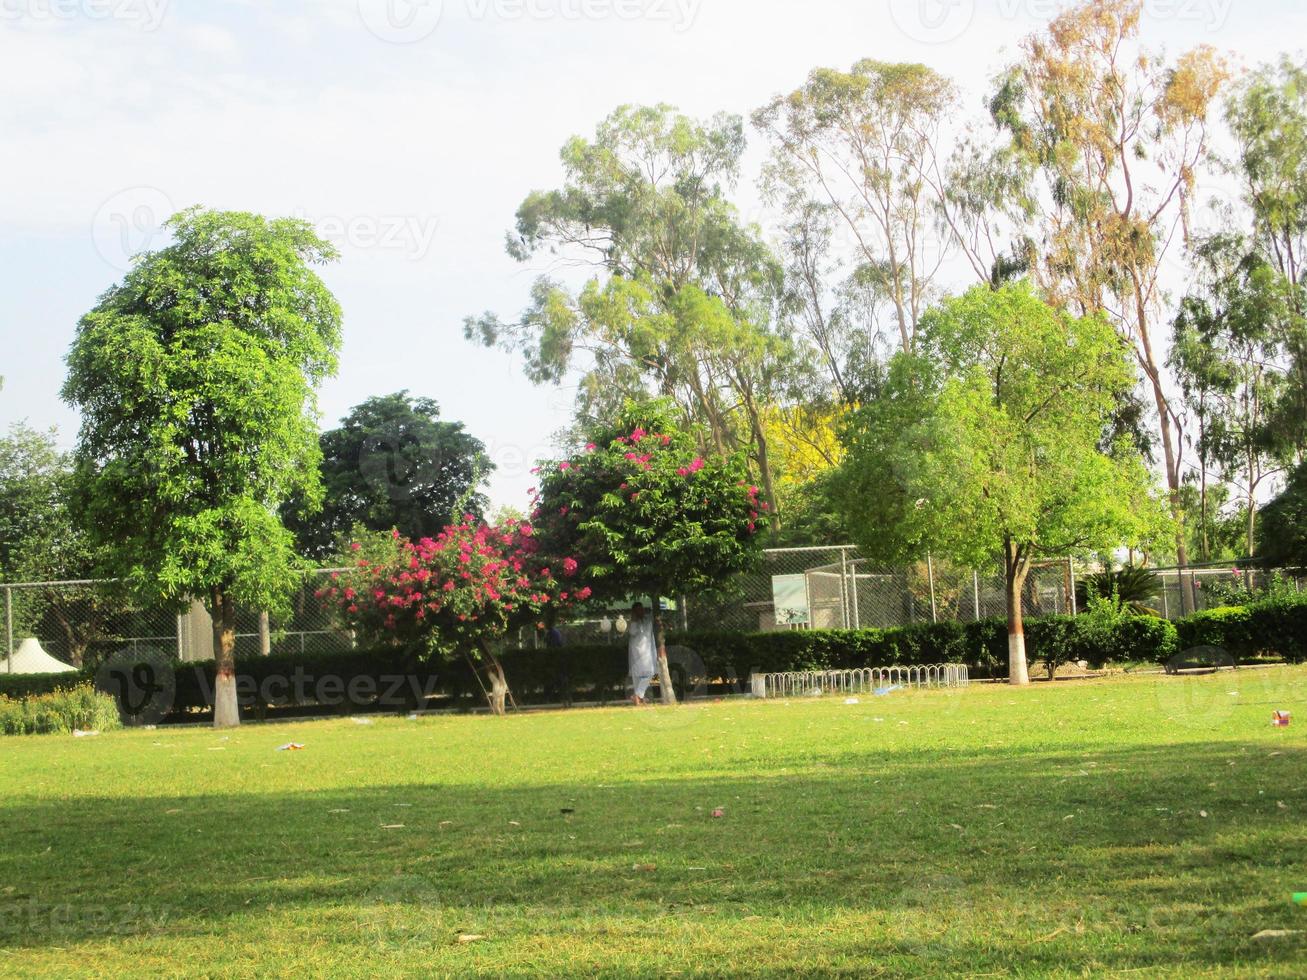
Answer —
(472, 581)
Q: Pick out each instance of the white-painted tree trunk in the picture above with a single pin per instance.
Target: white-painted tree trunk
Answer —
(226, 707)
(665, 689)
(1018, 670)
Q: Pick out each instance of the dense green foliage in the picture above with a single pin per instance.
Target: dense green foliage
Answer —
(392, 463)
(1274, 627)
(195, 378)
(1282, 531)
(644, 513)
(59, 712)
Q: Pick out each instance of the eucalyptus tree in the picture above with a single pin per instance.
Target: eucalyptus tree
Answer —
(683, 300)
(1115, 137)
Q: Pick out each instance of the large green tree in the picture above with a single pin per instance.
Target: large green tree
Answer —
(1268, 117)
(392, 463)
(986, 443)
(1113, 137)
(196, 379)
(643, 512)
(685, 298)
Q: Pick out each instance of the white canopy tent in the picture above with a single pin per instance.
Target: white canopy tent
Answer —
(29, 658)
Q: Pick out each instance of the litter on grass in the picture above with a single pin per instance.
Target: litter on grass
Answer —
(1281, 719)
(852, 701)
(880, 692)
(78, 733)
(1300, 898)
(290, 747)
(361, 721)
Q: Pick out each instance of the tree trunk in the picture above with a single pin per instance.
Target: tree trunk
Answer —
(1016, 567)
(226, 708)
(498, 695)
(665, 689)
(1171, 458)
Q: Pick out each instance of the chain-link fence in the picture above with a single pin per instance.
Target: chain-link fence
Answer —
(836, 588)
(1196, 588)
(81, 623)
(793, 588)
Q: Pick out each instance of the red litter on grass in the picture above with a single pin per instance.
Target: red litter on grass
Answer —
(719, 812)
(1281, 719)
(290, 747)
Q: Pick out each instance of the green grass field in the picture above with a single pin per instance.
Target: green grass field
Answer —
(1147, 825)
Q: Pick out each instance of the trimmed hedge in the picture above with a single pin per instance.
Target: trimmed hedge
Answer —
(1275, 627)
(383, 679)
(27, 685)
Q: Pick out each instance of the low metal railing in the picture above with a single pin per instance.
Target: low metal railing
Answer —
(860, 680)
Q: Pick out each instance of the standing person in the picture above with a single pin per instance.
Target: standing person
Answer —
(642, 652)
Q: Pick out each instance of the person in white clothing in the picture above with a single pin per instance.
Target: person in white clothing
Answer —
(642, 651)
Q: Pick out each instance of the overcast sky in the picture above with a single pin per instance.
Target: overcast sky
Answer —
(409, 132)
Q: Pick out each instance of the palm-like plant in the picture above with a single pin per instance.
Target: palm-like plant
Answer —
(1134, 589)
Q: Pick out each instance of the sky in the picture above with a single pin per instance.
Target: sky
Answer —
(408, 131)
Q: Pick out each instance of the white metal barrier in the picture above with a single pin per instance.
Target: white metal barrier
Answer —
(860, 680)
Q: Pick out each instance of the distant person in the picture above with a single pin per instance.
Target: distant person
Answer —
(554, 640)
(642, 652)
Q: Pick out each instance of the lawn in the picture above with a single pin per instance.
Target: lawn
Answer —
(1151, 825)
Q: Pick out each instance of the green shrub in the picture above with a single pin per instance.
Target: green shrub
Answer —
(25, 685)
(60, 712)
(1272, 627)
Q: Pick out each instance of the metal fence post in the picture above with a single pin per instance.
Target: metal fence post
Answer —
(975, 585)
(1071, 577)
(844, 585)
(857, 614)
(265, 635)
(930, 574)
(9, 626)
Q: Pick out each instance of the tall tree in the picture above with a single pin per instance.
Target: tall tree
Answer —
(1268, 117)
(987, 443)
(861, 143)
(392, 463)
(1116, 136)
(685, 302)
(196, 378)
(1225, 352)
(645, 514)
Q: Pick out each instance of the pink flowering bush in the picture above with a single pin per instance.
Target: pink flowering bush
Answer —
(454, 593)
(644, 511)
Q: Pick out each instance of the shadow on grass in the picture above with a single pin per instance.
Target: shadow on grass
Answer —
(1024, 861)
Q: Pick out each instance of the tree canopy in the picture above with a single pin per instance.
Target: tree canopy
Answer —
(392, 463)
(196, 381)
(986, 444)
